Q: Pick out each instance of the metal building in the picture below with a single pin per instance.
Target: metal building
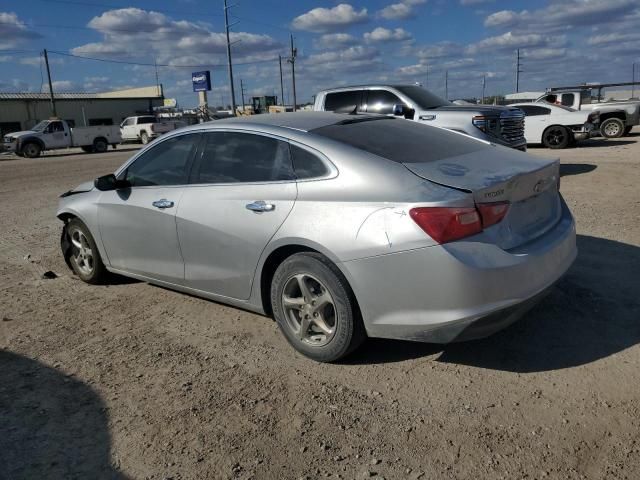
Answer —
(21, 111)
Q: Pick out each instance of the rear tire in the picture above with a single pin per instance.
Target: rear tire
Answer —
(315, 308)
(100, 145)
(556, 137)
(612, 128)
(31, 150)
(83, 254)
(144, 138)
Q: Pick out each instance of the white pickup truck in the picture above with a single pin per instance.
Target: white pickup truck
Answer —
(145, 128)
(55, 134)
(617, 117)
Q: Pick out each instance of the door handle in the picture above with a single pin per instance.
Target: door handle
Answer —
(260, 206)
(163, 203)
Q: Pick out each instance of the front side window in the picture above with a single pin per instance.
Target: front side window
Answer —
(381, 101)
(343, 102)
(163, 164)
(230, 157)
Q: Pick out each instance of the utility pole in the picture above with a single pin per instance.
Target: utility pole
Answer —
(53, 103)
(633, 78)
(292, 60)
(446, 84)
(226, 27)
(242, 92)
(518, 71)
(281, 83)
(484, 84)
(155, 64)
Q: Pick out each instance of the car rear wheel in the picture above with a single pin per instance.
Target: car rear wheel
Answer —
(100, 145)
(31, 150)
(144, 138)
(314, 307)
(83, 255)
(612, 128)
(556, 137)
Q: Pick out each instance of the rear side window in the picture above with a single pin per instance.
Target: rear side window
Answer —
(402, 141)
(534, 110)
(306, 164)
(381, 101)
(567, 99)
(143, 120)
(343, 102)
(163, 164)
(230, 157)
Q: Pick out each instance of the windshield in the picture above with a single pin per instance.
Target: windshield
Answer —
(41, 126)
(423, 98)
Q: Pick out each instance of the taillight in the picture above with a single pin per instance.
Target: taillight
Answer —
(446, 224)
(492, 213)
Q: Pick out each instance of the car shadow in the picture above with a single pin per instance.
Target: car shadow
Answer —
(51, 425)
(567, 169)
(602, 142)
(592, 313)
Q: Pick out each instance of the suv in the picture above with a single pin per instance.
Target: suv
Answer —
(501, 125)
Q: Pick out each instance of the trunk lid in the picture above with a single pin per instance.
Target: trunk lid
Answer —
(497, 174)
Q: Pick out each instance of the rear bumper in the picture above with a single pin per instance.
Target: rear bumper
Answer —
(458, 291)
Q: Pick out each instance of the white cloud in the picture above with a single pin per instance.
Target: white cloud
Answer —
(510, 41)
(381, 34)
(61, 86)
(616, 37)
(134, 32)
(334, 40)
(474, 2)
(14, 31)
(440, 50)
(328, 19)
(400, 11)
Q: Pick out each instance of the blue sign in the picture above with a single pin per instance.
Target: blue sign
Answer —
(201, 81)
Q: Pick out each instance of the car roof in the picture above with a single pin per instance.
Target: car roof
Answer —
(302, 121)
(370, 85)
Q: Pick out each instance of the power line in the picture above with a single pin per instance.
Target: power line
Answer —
(143, 64)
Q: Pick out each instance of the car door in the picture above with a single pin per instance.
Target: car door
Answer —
(55, 136)
(536, 120)
(128, 129)
(242, 189)
(137, 224)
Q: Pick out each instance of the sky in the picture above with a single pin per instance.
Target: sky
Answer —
(338, 43)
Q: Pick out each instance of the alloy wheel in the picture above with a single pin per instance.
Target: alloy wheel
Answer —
(309, 309)
(555, 136)
(82, 253)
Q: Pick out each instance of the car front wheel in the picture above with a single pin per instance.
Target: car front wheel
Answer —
(83, 255)
(314, 307)
(556, 137)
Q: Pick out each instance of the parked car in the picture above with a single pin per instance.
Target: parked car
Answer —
(145, 128)
(555, 126)
(617, 118)
(56, 134)
(501, 125)
(340, 226)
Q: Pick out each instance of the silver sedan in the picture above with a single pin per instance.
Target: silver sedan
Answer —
(339, 226)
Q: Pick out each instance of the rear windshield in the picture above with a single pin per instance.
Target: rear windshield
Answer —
(402, 141)
(424, 98)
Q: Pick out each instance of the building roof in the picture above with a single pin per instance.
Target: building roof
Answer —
(141, 92)
(523, 95)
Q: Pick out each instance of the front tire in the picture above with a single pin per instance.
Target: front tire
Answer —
(612, 128)
(31, 150)
(83, 254)
(315, 309)
(556, 137)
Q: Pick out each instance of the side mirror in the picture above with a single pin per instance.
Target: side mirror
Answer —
(110, 182)
(401, 110)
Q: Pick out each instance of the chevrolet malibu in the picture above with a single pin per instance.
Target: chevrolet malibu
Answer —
(339, 226)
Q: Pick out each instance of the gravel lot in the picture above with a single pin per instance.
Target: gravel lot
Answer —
(134, 381)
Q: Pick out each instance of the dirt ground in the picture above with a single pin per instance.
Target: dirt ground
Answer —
(134, 381)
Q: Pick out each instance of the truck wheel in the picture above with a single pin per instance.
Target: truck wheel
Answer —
(556, 137)
(87, 149)
(627, 130)
(144, 138)
(612, 128)
(31, 150)
(100, 145)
